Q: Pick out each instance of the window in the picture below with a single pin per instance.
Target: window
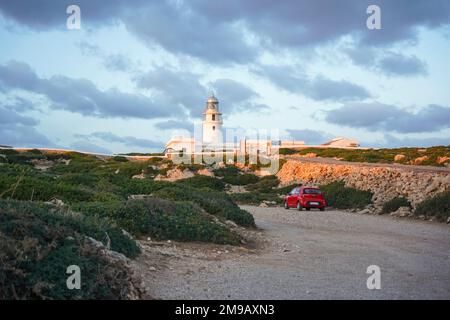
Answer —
(213, 117)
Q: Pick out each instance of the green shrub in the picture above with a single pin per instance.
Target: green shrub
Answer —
(162, 219)
(120, 159)
(200, 181)
(341, 197)
(213, 202)
(255, 197)
(395, 203)
(38, 243)
(264, 185)
(438, 207)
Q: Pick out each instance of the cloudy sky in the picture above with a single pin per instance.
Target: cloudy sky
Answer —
(140, 71)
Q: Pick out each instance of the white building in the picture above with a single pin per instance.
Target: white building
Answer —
(212, 135)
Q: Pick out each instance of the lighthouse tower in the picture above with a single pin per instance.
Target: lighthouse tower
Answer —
(212, 123)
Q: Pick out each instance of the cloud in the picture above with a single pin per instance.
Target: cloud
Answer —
(89, 147)
(127, 140)
(175, 124)
(388, 63)
(19, 130)
(390, 141)
(177, 88)
(377, 116)
(309, 136)
(317, 88)
(234, 30)
(398, 64)
(82, 96)
(9, 116)
(236, 97)
(112, 62)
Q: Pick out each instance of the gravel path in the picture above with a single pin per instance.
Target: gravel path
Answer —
(307, 255)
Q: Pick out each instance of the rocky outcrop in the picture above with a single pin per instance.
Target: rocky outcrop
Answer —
(174, 175)
(385, 182)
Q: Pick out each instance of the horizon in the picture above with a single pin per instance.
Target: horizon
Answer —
(134, 75)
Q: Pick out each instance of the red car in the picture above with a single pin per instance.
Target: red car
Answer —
(305, 197)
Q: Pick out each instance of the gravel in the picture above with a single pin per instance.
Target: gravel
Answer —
(306, 255)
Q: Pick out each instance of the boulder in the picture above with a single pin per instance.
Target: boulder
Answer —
(399, 157)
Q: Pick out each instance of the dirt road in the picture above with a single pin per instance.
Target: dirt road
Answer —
(307, 255)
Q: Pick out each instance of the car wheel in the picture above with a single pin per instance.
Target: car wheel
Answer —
(299, 206)
(286, 205)
(307, 209)
(322, 209)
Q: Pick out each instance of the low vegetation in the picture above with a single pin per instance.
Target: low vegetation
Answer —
(433, 156)
(394, 204)
(341, 197)
(37, 244)
(437, 207)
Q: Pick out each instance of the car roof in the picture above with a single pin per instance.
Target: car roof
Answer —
(306, 187)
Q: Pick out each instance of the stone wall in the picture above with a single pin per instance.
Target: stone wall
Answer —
(385, 182)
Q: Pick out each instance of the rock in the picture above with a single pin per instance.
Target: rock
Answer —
(364, 211)
(175, 174)
(448, 220)
(231, 223)
(402, 212)
(139, 176)
(205, 172)
(441, 160)
(419, 160)
(151, 269)
(263, 204)
(399, 157)
(56, 202)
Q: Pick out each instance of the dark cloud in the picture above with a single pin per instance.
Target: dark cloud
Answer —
(378, 116)
(318, 88)
(216, 31)
(112, 62)
(398, 64)
(82, 96)
(19, 130)
(309, 136)
(175, 87)
(87, 146)
(9, 116)
(389, 63)
(236, 97)
(127, 140)
(175, 124)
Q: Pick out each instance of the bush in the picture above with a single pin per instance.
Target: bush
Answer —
(162, 219)
(38, 243)
(255, 197)
(395, 203)
(213, 202)
(341, 197)
(438, 207)
(264, 185)
(200, 181)
(120, 159)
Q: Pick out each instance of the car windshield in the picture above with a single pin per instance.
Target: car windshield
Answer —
(311, 191)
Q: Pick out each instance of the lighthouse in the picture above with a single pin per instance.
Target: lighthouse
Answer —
(212, 124)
